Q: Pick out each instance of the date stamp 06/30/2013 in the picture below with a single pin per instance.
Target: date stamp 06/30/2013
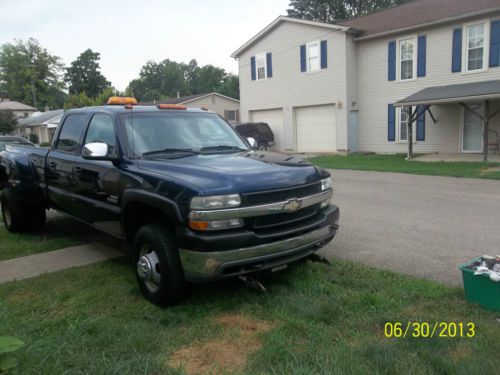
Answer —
(428, 330)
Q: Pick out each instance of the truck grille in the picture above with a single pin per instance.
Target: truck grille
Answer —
(273, 196)
(281, 220)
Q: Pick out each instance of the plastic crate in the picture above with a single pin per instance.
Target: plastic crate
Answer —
(480, 288)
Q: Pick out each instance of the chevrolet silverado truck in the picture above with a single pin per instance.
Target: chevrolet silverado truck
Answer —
(192, 198)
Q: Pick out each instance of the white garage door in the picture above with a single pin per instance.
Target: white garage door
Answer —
(273, 117)
(316, 128)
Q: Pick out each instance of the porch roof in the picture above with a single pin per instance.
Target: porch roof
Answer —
(453, 93)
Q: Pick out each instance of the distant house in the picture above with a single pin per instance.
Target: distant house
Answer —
(350, 86)
(227, 107)
(21, 110)
(43, 124)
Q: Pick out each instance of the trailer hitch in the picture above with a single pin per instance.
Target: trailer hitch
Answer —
(252, 282)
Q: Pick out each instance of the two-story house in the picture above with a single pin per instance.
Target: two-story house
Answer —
(354, 86)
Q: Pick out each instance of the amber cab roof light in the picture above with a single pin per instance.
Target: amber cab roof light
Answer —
(122, 100)
(171, 106)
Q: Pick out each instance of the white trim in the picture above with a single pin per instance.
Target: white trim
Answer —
(486, 46)
(279, 20)
(398, 58)
(308, 67)
(397, 123)
(260, 56)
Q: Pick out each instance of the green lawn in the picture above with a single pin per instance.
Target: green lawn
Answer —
(398, 164)
(313, 319)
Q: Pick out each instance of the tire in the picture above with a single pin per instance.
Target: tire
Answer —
(18, 217)
(262, 146)
(159, 270)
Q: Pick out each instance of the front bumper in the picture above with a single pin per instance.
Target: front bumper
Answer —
(212, 265)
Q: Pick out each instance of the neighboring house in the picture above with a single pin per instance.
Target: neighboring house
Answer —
(20, 110)
(43, 124)
(340, 87)
(227, 107)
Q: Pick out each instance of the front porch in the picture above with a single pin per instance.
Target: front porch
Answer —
(457, 157)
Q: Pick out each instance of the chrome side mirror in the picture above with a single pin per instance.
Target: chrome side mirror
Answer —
(96, 151)
(252, 142)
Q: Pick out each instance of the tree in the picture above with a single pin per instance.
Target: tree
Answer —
(84, 75)
(331, 11)
(8, 122)
(230, 86)
(82, 100)
(29, 74)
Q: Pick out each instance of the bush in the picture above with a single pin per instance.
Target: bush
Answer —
(33, 138)
(45, 144)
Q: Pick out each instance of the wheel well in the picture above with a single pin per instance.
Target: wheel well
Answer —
(138, 214)
(3, 176)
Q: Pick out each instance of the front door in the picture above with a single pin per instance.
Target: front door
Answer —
(472, 133)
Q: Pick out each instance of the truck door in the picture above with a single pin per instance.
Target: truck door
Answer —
(96, 186)
(60, 161)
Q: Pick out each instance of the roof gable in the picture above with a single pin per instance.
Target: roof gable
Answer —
(187, 99)
(277, 22)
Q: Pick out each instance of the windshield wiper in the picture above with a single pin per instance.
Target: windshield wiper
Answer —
(223, 147)
(170, 151)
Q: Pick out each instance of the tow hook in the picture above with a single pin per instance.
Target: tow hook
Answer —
(253, 283)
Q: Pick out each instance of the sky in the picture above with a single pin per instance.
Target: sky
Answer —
(128, 33)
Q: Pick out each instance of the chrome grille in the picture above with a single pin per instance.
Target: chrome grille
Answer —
(282, 195)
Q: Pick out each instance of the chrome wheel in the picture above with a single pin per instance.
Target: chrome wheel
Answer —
(148, 268)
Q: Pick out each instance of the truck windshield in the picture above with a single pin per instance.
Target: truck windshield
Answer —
(179, 132)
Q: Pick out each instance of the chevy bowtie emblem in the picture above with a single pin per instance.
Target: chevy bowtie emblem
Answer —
(292, 205)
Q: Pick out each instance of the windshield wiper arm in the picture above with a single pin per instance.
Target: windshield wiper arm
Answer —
(223, 147)
(169, 151)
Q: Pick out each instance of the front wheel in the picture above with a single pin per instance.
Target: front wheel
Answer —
(159, 270)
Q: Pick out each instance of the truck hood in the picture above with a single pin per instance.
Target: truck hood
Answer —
(237, 172)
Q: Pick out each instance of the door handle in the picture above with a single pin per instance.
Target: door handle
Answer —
(52, 165)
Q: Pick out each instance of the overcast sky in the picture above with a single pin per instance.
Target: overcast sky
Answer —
(129, 33)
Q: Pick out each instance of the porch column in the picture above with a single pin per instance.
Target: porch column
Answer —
(486, 128)
(409, 126)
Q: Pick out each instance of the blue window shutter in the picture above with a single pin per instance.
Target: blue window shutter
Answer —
(421, 123)
(392, 61)
(269, 64)
(422, 46)
(495, 44)
(252, 67)
(324, 61)
(456, 59)
(303, 58)
(391, 129)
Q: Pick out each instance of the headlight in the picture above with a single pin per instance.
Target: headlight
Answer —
(326, 184)
(216, 202)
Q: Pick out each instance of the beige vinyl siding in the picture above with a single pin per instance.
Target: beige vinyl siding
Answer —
(375, 92)
(289, 87)
(274, 118)
(215, 103)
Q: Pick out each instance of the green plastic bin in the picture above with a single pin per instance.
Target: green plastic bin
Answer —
(480, 288)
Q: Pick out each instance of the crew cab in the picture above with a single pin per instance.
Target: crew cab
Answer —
(189, 194)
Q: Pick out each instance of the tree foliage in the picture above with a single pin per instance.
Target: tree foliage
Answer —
(8, 121)
(84, 76)
(30, 74)
(168, 78)
(330, 11)
(82, 100)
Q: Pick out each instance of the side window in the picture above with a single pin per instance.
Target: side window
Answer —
(71, 133)
(101, 129)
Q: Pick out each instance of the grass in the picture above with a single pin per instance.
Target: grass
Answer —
(319, 319)
(398, 164)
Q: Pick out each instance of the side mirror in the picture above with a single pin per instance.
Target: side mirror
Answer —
(97, 151)
(252, 142)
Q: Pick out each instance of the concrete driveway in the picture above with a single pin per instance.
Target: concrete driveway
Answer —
(420, 225)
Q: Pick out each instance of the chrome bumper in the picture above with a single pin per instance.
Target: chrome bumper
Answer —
(212, 265)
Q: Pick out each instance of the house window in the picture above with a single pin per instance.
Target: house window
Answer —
(475, 48)
(407, 59)
(402, 121)
(231, 116)
(261, 66)
(313, 59)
